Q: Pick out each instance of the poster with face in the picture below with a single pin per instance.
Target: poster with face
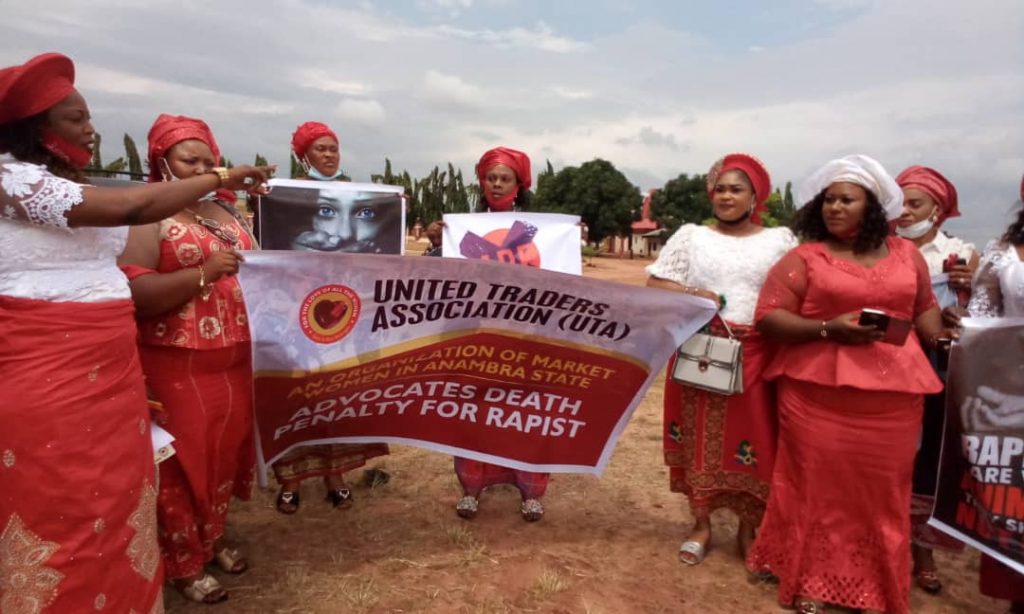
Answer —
(332, 216)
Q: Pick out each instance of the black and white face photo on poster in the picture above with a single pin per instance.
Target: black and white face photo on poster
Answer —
(333, 217)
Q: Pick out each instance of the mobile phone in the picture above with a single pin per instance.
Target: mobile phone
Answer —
(952, 261)
(874, 317)
(896, 329)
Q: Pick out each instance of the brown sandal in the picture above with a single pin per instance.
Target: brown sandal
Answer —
(288, 501)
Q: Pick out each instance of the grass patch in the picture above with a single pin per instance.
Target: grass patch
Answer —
(549, 583)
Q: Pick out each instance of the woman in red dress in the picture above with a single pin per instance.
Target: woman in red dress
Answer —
(836, 527)
(196, 356)
(505, 180)
(77, 494)
(315, 146)
(720, 449)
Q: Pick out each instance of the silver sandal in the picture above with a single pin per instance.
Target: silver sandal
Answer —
(694, 549)
(532, 510)
(467, 507)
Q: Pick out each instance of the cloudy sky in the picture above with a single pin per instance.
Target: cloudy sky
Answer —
(657, 88)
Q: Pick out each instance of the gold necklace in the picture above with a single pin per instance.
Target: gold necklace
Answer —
(226, 235)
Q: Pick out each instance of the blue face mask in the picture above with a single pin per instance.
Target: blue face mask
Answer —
(315, 174)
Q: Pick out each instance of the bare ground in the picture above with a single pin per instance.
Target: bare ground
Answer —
(605, 545)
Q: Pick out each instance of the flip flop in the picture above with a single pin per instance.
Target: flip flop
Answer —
(691, 552)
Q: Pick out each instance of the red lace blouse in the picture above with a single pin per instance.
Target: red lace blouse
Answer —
(810, 282)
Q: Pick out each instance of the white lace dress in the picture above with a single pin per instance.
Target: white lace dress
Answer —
(736, 267)
(40, 256)
(998, 285)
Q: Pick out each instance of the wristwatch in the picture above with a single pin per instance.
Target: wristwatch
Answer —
(222, 173)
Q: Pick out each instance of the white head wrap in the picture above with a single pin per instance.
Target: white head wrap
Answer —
(861, 170)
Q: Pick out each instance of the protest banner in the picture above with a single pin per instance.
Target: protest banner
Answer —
(980, 492)
(549, 241)
(332, 216)
(530, 369)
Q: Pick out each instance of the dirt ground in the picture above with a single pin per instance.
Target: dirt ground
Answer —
(606, 545)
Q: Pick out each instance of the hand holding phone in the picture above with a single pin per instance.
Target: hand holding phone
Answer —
(847, 330)
(895, 329)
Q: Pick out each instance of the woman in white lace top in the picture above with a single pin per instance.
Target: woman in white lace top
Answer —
(999, 293)
(77, 502)
(720, 449)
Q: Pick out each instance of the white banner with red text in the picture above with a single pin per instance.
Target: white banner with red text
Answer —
(530, 369)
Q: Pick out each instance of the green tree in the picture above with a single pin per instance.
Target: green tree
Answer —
(683, 200)
(114, 168)
(134, 160)
(781, 207)
(597, 192)
(96, 163)
(545, 174)
(775, 206)
(428, 198)
(296, 171)
(260, 161)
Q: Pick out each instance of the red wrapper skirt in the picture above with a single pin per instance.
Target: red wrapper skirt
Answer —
(475, 476)
(77, 494)
(720, 450)
(836, 528)
(207, 397)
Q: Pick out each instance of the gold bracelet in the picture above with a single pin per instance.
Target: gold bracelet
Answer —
(202, 277)
(222, 174)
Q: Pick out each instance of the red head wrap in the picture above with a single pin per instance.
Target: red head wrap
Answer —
(168, 131)
(35, 86)
(932, 183)
(755, 171)
(512, 158)
(306, 134)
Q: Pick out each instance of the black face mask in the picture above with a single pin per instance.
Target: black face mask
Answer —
(735, 222)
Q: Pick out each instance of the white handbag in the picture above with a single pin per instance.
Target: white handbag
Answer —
(711, 363)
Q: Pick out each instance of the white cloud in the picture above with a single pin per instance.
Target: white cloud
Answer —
(541, 37)
(448, 91)
(845, 4)
(571, 94)
(363, 111)
(321, 79)
(652, 93)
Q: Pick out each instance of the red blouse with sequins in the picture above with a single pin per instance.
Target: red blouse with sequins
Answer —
(216, 317)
